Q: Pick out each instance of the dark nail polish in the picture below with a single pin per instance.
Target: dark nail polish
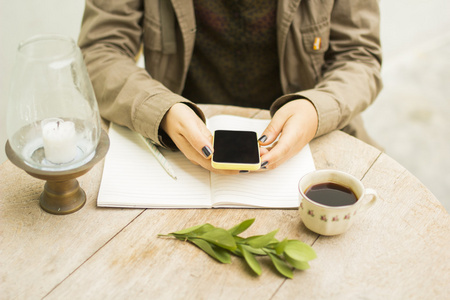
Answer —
(263, 138)
(244, 171)
(264, 164)
(206, 151)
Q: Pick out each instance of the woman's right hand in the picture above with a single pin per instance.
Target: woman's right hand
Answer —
(190, 135)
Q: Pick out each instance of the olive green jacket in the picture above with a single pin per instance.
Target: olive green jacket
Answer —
(329, 53)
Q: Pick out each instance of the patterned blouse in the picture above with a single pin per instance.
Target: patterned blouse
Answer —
(235, 59)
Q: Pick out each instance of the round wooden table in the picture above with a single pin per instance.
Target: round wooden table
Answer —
(399, 249)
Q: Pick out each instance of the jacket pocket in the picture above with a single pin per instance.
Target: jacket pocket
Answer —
(316, 39)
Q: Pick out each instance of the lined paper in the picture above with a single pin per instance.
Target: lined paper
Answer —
(274, 188)
(132, 176)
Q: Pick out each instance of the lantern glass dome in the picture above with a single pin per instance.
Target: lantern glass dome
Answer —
(53, 122)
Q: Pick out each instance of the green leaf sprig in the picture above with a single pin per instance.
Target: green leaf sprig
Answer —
(220, 244)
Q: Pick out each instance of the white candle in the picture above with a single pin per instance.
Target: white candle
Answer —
(60, 142)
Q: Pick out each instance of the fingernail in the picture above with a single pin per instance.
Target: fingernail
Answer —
(264, 165)
(263, 138)
(206, 151)
(244, 171)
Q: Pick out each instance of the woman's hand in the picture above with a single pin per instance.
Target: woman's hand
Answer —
(190, 135)
(296, 124)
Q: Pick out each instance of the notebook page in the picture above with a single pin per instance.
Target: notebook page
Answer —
(273, 188)
(132, 177)
(229, 122)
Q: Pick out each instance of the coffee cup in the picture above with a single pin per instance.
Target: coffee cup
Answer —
(331, 199)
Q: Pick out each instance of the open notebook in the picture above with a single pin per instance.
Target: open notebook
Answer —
(132, 177)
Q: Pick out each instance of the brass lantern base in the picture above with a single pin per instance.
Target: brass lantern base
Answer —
(62, 197)
(62, 193)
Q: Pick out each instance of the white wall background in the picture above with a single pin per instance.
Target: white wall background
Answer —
(411, 117)
(21, 19)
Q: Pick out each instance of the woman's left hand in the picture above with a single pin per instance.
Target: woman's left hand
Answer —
(295, 123)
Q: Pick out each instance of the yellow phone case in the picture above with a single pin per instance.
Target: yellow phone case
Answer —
(236, 166)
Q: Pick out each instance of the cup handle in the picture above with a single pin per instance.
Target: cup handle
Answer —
(373, 197)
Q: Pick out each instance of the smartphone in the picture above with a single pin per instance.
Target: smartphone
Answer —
(235, 150)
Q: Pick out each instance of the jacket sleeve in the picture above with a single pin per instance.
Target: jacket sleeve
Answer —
(110, 39)
(350, 78)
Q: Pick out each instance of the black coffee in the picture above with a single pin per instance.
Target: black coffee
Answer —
(331, 194)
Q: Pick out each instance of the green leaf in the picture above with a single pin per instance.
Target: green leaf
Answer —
(250, 259)
(220, 237)
(299, 251)
(269, 250)
(261, 240)
(280, 247)
(301, 265)
(257, 251)
(241, 227)
(195, 230)
(224, 255)
(281, 266)
(238, 239)
(215, 252)
(237, 252)
(220, 244)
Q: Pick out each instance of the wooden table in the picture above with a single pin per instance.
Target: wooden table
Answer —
(399, 249)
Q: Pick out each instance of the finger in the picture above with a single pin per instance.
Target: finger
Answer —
(275, 157)
(196, 158)
(274, 128)
(263, 151)
(289, 143)
(200, 139)
(182, 120)
(197, 134)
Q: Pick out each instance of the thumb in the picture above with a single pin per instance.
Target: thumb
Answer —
(205, 143)
(272, 130)
(200, 138)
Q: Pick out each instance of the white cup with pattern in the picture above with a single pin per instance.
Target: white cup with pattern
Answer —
(331, 199)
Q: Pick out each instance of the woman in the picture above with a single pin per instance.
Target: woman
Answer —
(314, 64)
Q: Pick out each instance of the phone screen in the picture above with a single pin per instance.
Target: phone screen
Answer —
(236, 147)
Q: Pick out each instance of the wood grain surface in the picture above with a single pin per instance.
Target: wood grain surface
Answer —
(398, 249)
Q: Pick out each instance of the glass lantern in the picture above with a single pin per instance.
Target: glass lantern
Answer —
(53, 122)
